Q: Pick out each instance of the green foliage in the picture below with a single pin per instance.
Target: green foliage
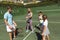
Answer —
(52, 11)
(17, 10)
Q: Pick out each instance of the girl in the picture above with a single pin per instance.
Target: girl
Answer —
(45, 30)
(40, 18)
(29, 20)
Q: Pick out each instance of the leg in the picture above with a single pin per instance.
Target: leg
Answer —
(43, 37)
(15, 34)
(30, 24)
(48, 37)
(10, 35)
(27, 27)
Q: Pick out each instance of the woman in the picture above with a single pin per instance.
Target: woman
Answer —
(29, 20)
(45, 30)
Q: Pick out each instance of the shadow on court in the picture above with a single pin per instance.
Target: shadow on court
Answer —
(37, 27)
(39, 37)
(18, 30)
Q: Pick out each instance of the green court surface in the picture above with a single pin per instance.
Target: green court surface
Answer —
(53, 13)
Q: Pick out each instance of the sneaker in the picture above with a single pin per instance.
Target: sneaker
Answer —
(27, 30)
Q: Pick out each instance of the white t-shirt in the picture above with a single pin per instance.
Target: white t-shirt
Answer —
(41, 19)
(45, 23)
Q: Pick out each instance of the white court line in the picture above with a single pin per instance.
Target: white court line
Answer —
(49, 10)
(36, 21)
(34, 28)
(28, 34)
(33, 21)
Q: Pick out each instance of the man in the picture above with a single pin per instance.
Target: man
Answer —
(10, 23)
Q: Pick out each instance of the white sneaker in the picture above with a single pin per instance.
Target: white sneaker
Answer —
(27, 30)
(32, 31)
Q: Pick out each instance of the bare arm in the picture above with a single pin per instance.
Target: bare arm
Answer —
(6, 23)
(14, 23)
(29, 16)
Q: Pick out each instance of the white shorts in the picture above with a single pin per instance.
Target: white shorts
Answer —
(9, 30)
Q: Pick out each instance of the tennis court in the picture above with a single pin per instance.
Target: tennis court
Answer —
(53, 13)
